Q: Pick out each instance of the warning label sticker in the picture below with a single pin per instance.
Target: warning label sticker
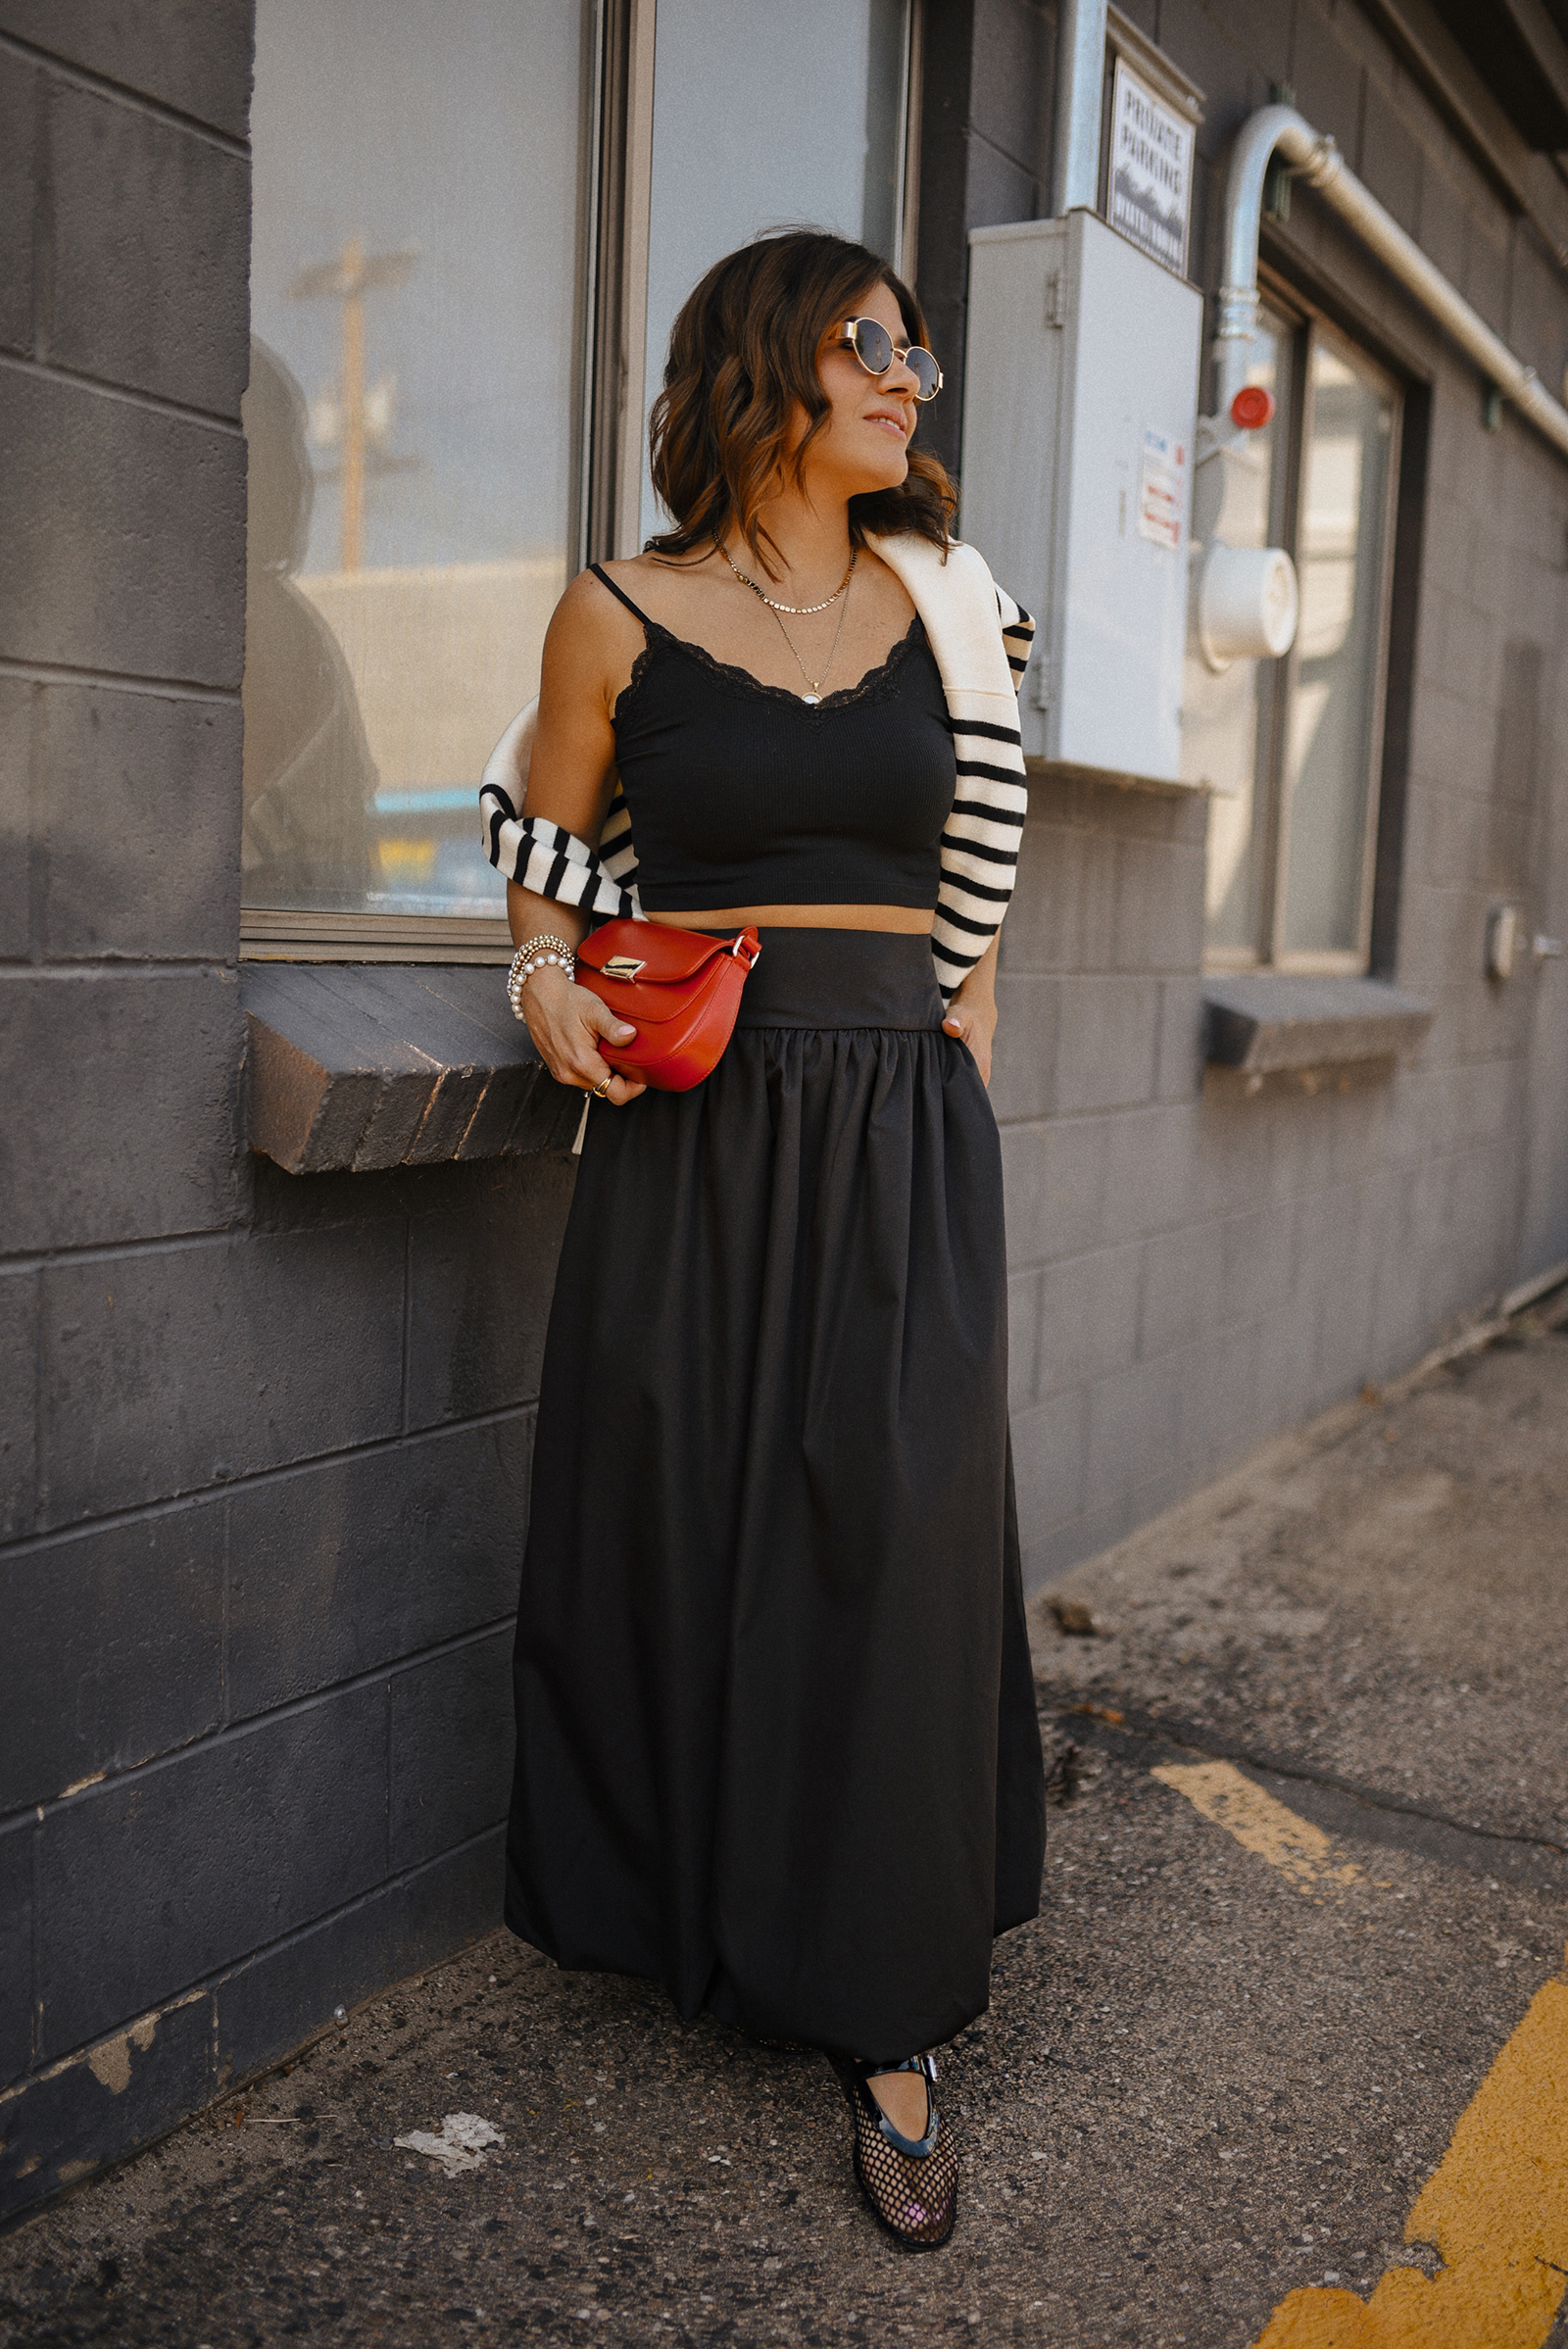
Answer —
(1162, 489)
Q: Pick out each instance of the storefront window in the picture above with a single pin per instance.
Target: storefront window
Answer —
(1293, 746)
(414, 430)
(768, 118)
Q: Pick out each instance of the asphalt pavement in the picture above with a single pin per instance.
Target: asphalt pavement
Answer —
(1284, 2058)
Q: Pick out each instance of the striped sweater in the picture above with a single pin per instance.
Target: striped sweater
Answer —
(980, 639)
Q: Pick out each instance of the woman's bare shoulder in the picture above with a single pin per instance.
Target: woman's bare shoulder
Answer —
(593, 640)
(589, 630)
(586, 600)
(594, 636)
(589, 607)
(645, 566)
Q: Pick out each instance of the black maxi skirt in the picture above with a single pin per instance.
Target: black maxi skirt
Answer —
(776, 1735)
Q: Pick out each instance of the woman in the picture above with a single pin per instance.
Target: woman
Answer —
(776, 1736)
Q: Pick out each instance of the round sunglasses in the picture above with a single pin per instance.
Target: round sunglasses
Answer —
(876, 350)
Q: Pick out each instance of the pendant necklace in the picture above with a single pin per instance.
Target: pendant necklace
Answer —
(813, 694)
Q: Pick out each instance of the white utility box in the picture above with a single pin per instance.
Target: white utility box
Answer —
(1080, 406)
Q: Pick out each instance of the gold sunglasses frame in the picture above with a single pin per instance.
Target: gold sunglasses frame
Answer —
(845, 340)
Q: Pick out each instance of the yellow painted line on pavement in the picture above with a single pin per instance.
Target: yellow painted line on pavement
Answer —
(1301, 1853)
(1497, 2205)
(1497, 2208)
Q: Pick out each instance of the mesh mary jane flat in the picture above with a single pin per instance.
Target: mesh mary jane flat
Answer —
(911, 2183)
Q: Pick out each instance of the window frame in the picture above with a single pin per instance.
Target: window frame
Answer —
(1310, 326)
(611, 265)
(616, 156)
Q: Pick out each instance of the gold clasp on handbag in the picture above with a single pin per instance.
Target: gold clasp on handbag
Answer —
(622, 966)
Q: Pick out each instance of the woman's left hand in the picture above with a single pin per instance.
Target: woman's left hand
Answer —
(972, 1019)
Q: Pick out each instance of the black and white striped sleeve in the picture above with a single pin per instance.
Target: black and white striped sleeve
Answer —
(981, 838)
(1017, 635)
(540, 856)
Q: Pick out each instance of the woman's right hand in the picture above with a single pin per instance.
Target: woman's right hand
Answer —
(565, 1022)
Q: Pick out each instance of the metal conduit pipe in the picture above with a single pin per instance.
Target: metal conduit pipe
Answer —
(1318, 161)
(1075, 130)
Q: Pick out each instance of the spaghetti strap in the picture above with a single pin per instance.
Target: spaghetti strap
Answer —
(621, 595)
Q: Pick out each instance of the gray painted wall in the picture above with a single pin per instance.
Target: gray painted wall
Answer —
(263, 1442)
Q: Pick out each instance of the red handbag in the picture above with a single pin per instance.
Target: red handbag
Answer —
(680, 989)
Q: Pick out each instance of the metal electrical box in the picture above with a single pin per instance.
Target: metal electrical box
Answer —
(1080, 404)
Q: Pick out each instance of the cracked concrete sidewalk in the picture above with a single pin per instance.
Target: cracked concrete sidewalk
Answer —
(1200, 2083)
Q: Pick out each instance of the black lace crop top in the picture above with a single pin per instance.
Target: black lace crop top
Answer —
(741, 793)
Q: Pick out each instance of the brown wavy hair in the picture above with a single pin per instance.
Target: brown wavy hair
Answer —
(743, 353)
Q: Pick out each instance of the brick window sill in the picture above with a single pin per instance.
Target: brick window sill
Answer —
(357, 1066)
(1265, 1023)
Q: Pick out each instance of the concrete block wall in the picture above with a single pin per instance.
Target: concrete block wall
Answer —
(1195, 1269)
(263, 1442)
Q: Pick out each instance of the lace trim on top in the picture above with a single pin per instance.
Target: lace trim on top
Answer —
(875, 686)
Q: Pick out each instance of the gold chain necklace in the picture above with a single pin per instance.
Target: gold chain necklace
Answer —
(813, 692)
(797, 611)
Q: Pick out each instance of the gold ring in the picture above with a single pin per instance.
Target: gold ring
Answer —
(600, 1090)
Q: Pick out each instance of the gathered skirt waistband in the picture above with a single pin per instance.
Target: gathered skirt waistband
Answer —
(842, 979)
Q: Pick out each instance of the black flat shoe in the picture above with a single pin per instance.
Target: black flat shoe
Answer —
(911, 2183)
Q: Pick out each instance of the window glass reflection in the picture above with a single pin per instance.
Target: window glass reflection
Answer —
(1332, 734)
(1228, 719)
(768, 118)
(310, 777)
(413, 428)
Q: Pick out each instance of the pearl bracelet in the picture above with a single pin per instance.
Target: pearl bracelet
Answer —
(546, 951)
